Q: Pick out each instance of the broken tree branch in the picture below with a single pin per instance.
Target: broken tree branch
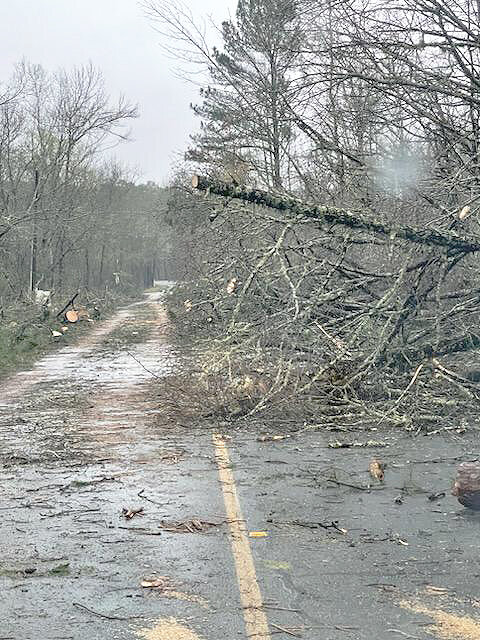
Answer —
(332, 215)
(70, 302)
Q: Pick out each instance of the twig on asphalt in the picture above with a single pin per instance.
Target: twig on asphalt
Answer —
(327, 475)
(352, 486)
(141, 494)
(143, 366)
(310, 525)
(271, 606)
(402, 633)
(103, 615)
(284, 630)
(145, 532)
(446, 459)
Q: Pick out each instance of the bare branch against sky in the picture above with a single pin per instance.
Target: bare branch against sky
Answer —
(116, 37)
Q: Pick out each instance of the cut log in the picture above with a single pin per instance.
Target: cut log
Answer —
(333, 215)
(71, 315)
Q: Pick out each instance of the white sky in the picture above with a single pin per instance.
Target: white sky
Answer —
(116, 37)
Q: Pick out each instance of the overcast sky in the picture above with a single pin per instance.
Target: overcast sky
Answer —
(116, 37)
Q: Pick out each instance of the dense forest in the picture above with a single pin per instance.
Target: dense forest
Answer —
(70, 219)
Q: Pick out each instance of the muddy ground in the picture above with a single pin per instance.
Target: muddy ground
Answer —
(81, 440)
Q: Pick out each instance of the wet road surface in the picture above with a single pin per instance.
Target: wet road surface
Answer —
(81, 440)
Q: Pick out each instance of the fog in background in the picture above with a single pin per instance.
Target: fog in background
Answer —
(116, 37)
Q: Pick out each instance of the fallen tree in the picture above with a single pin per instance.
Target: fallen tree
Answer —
(326, 315)
(335, 216)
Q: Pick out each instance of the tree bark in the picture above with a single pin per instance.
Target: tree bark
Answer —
(332, 215)
(34, 242)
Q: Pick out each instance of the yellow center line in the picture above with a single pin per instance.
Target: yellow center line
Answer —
(256, 623)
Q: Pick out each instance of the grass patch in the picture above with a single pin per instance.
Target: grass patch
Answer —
(60, 570)
(9, 573)
(22, 341)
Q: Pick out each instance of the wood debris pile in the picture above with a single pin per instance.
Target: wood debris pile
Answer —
(334, 315)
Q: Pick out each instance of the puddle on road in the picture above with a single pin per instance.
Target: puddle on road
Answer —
(168, 629)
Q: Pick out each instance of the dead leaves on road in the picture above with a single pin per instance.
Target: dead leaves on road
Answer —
(376, 470)
(187, 526)
(195, 525)
(163, 585)
(130, 513)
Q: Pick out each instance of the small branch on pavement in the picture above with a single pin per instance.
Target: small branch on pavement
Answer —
(141, 530)
(271, 606)
(352, 486)
(284, 630)
(142, 495)
(103, 615)
(143, 366)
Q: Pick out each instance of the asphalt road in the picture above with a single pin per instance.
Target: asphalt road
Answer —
(330, 558)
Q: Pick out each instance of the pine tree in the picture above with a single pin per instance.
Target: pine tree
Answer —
(245, 115)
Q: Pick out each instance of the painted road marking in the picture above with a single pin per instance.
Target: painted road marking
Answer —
(168, 628)
(256, 623)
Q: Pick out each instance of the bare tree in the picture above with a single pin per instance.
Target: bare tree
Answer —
(68, 219)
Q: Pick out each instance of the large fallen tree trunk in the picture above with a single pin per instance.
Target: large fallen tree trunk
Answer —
(331, 215)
